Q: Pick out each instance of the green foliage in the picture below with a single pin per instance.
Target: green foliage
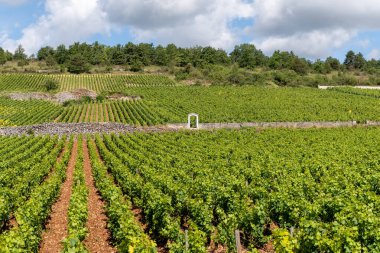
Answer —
(78, 208)
(100, 98)
(27, 112)
(96, 82)
(354, 61)
(283, 241)
(136, 66)
(263, 104)
(34, 210)
(196, 186)
(19, 54)
(3, 57)
(133, 112)
(51, 85)
(22, 63)
(78, 64)
(247, 56)
(126, 233)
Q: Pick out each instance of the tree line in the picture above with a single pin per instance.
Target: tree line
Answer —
(80, 57)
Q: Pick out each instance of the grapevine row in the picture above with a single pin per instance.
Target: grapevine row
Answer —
(32, 215)
(134, 112)
(285, 185)
(96, 82)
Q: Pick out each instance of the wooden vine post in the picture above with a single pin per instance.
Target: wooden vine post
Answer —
(238, 244)
(186, 241)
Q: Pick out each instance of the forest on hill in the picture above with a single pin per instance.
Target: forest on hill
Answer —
(197, 65)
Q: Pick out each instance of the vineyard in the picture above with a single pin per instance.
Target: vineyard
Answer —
(98, 83)
(249, 103)
(149, 188)
(292, 190)
(133, 112)
(157, 105)
(27, 112)
(362, 92)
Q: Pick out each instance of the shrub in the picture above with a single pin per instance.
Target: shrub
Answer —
(100, 98)
(22, 63)
(51, 85)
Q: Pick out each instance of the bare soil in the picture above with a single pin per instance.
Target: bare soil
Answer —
(56, 228)
(120, 96)
(98, 236)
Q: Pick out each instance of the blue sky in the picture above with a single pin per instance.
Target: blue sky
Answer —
(311, 28)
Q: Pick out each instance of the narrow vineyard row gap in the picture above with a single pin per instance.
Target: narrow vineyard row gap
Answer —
(56, 228)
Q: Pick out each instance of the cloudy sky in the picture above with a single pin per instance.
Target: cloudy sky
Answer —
(311, 28)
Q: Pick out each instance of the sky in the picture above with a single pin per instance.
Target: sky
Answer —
(314, 29)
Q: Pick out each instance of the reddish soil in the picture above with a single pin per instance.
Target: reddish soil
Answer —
(139, 218)
(88, 113)
(56, 228)
(109, 113)
(100, 116)
(96, 113)
(98, 236)
(268, 248)
(83, 113)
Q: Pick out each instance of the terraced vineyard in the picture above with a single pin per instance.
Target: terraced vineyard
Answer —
(98, 83)
(363, 92)
(294, 190)
(263, 104)
(27, 112)
(213, 104)
(133, 112)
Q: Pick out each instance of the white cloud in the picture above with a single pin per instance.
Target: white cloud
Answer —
(65, 22)
(364, 43)
(312, 28)
(311, 44)
(186, 22)
(374, 54)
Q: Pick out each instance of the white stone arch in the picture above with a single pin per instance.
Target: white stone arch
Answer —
(196, 120)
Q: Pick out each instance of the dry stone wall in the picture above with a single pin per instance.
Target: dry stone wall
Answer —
(92, 128)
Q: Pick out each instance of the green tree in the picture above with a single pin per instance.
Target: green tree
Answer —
(8, 55)
(98, 54)
(51, 85)
(50, 60)
(61, 54)
(333, 63)
(300, 66)
(160, 56)
(136, 65)
(78, 64)
(117, 55)
(172, 53)
(349, 61)
(281, 60)
(247, 56)
(319, 67)
(359, 61)
(19, 54)
(44, 52)
(3, 57)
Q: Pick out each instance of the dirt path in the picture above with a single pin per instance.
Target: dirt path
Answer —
(56, 228)
(98, 236)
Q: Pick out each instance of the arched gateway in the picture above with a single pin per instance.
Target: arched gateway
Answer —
(196, 120)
